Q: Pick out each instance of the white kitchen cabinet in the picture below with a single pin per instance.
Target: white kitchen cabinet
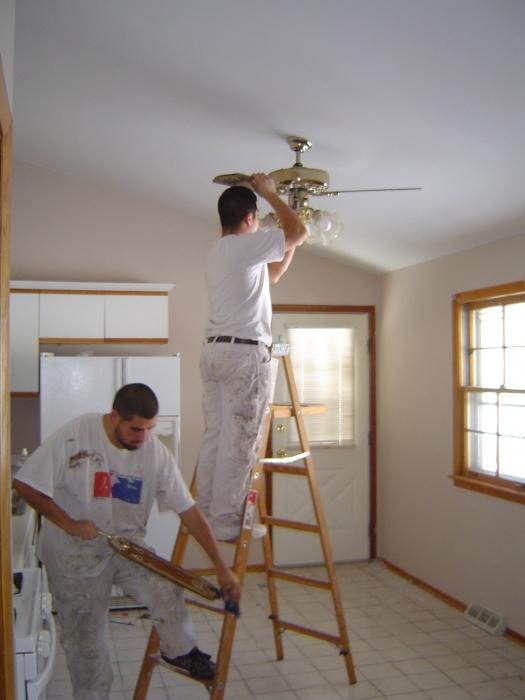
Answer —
(23, 342)
(80, 313)
(136, 316)
(71, 316)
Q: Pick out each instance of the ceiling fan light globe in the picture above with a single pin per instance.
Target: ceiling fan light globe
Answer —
(325, 220)
(310, 234)
(269, 222)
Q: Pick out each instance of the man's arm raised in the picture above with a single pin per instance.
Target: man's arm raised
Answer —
(293, 228)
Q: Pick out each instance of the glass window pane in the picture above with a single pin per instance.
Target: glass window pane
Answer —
(482, 414)
(515, 368)
(488, 327)
(512, 458)
(482, 452)
(515, 324)
(512, 415)
(488, 368)
(492, 376)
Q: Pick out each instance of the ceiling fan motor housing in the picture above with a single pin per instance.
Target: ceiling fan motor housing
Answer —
(309, 180)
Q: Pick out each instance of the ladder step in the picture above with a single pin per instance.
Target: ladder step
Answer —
(290, 524)
(309, 632)
(276, 469)
(289, 411)
(298, 464)
(295, 578)
(285, 460)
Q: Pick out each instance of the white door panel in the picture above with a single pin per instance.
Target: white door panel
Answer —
(342, 472)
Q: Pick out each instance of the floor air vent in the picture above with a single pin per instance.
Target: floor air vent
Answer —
(487, 619)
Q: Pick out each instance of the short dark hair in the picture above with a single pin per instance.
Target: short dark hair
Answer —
(135, 400)
(234, 203)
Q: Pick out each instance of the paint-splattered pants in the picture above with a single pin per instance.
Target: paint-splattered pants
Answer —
(82, 609)
(237, 387)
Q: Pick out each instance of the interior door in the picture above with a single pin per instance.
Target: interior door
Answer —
(343, 472)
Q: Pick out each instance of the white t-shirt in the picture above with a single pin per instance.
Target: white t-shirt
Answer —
(238, 285)
(91, 479)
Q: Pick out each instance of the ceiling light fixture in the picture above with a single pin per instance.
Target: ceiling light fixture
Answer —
(322, 227)
(299, 183)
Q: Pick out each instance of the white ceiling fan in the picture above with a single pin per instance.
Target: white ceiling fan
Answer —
(299, 183)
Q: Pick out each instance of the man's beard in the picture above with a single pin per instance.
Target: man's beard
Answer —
(126, 445)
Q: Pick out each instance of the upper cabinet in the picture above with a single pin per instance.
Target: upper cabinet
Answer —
(80, 314)
(78, 317)
(144, 316)
(23, 342)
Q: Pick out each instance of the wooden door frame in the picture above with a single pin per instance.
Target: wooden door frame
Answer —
(7, 674)
(372, 413)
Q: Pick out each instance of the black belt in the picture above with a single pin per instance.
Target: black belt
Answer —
(231, 339)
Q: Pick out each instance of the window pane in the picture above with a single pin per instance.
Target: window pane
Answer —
(482, 452)
(512, 458)
(482, 412)
(515, 368)
(515, 324)
(488, 327)
(512, 415)
(488, 367)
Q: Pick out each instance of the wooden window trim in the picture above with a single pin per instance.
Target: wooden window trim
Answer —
(462, 477)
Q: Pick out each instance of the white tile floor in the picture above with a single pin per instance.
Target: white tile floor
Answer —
(405, 644)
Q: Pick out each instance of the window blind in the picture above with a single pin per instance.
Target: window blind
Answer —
(323, 364)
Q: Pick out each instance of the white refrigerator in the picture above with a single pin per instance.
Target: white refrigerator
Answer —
(73, 385)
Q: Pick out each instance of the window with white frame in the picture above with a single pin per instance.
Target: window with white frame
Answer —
(490, 390)
(323, 365)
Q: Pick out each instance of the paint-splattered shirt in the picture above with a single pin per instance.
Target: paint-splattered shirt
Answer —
(91, 479)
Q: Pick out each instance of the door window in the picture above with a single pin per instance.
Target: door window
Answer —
(323, 365)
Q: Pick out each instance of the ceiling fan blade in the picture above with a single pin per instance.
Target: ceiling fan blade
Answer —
(334, 193)
(232, 179)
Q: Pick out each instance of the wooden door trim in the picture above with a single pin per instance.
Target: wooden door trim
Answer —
(372, 413)
(7, 673)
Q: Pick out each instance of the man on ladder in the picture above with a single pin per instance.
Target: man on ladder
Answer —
(238, 382)
(235, 362)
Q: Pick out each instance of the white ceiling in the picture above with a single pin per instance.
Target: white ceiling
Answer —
(156, 97)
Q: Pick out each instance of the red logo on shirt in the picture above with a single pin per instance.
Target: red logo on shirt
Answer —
(102, 485)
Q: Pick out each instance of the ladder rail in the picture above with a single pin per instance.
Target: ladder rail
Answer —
(260, 490)
(326, 547)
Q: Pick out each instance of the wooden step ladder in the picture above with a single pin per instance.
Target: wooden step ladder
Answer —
(259, 489)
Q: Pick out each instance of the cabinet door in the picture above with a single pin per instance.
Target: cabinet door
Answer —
(23, 342)
(72, 316)
(137, 317)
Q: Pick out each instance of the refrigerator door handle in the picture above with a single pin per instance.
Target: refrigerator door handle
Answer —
(120, 373)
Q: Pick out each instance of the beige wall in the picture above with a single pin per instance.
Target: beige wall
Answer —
(453, 539)
(67, 230)
(464, 543)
